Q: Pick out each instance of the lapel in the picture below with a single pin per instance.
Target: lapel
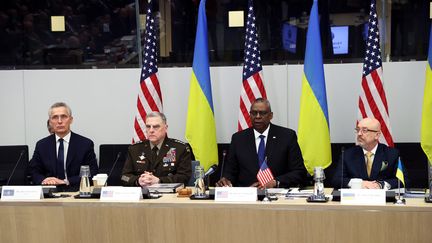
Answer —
(361, 162)
(162, 152)
(377, 162)
(251, 149)
(53, 152)
(271, 144)
(71, 151)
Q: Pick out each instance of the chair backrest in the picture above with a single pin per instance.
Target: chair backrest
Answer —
(9, 156)
(191, 182)
(107, 156)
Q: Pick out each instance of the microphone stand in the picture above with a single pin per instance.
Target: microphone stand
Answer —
(112, 168)
(399, 200)
(223, 163)
(342, 166)
(16, 164)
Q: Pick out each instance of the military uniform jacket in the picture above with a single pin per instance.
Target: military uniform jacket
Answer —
(172, 164)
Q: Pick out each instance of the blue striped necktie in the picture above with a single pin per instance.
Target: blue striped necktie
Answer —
(261, 150)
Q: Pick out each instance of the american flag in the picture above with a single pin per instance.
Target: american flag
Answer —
(253, 86)
(149, 95)
(264, 175)
(372, 100)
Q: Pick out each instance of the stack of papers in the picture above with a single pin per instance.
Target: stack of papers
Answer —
(297, 193)
(165, 187)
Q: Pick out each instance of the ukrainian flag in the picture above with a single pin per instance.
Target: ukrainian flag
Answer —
(200, 123)
(313, 130)
(426, 131)
(400, 172)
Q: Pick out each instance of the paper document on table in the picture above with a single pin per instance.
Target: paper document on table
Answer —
(297, 193)
(280, 191)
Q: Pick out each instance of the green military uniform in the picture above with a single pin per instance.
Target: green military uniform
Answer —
(172, 164)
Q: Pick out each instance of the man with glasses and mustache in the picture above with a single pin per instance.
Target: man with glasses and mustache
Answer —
(280, 151)
(369, 160)
(158, 159)
(57, 159)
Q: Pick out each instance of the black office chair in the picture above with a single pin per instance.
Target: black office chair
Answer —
(107, 156)
(9, 156)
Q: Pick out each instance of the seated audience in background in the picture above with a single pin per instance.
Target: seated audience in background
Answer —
(158, 159)
(280, 150)
(57, 159)
(369, 160)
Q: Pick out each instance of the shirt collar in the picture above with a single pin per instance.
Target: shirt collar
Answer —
(159, 145)
(373, 150)
(265, 133)
(65, 138)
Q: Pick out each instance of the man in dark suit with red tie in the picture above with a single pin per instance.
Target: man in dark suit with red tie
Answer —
(57, 159)
(371, 161)
(264, 141)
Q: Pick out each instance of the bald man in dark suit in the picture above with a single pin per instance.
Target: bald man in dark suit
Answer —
(377, 173)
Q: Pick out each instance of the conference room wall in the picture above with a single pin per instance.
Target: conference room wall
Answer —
(103, 101)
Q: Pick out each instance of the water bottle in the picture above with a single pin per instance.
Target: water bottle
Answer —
(199, 182)
(85, 189)
(319, 183)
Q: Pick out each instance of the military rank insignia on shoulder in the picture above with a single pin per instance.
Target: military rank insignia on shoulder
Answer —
(137, 142)
(178, 141)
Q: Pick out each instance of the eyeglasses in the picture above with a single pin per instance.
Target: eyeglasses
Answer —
(363, 130)
(261, 113)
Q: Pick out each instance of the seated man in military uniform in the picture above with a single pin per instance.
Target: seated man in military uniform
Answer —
(158, 159)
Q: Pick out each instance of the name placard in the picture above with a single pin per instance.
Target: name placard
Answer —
(121, 194)
(24, 193)
(363, 197)
(236, 194)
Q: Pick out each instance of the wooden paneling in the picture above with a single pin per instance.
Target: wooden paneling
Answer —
(171, 219)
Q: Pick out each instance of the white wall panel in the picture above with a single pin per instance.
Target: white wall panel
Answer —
(103, 100)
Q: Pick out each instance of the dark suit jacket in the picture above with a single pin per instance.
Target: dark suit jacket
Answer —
(80, 152)
(383, 168)
(283, 153)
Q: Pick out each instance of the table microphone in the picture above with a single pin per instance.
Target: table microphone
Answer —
(113, 166)
(210, 171)
(16, 165)
(223, 163)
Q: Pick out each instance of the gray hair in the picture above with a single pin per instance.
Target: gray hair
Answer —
(157, 114)
(59, 104)
(262, 100)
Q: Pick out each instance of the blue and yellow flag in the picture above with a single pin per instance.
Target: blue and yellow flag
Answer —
(313, 130)
(400, 172)
(426, 125)
(200, 123)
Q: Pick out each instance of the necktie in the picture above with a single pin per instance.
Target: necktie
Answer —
(60, 160)
(261, 150)
(369, 162)
(154, 153)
